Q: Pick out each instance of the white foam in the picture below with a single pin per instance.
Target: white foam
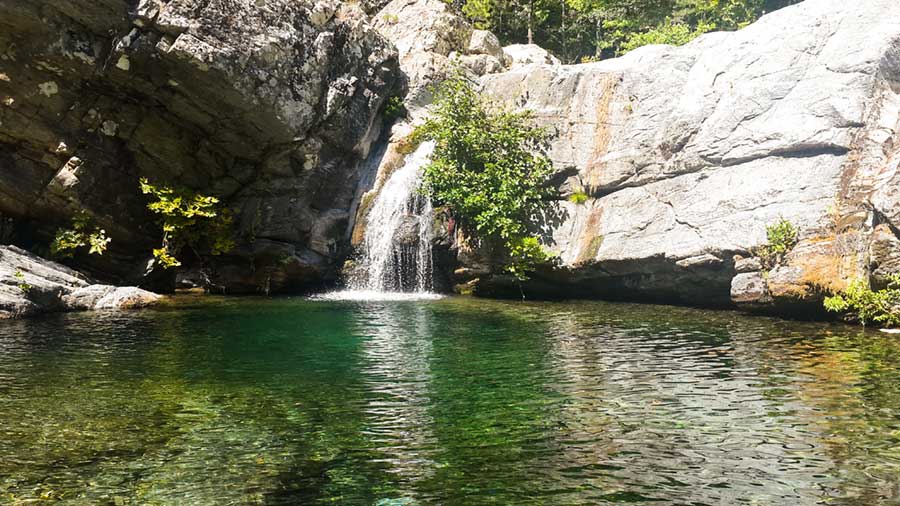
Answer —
(376, 296)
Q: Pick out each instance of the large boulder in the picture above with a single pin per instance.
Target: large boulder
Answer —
(519, 55)
(425, 32)
(30, 285)
(687, 153)
(268, 105)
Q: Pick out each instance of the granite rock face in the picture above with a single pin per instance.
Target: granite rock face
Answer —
(30, 285)
(268, 105)
(687, 153)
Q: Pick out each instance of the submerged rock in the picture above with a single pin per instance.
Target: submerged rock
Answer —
(32, 285)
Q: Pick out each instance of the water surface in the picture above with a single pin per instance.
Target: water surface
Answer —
(445, 402)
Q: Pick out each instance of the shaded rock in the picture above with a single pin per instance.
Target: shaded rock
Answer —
(884, 256)
(744, 265)
(32, 285)
(268, 105)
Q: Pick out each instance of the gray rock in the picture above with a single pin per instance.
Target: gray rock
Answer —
(705, 261)
(518, 55)
(749, 289)
(425, 33)
(486, 43)
(268, 105)
(884, 256)
(480, 64)
(693, 150)
(31, 285)
(743, 265)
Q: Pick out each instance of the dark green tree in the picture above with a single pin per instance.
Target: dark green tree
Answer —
(489, 169)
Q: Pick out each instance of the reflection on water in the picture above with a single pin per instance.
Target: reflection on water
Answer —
(445, 402)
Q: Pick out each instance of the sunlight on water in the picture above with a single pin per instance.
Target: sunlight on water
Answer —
(375, 296)
(450, 402)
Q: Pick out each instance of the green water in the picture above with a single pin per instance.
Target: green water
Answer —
(449, 402)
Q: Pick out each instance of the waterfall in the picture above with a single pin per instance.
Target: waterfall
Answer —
(396, 251)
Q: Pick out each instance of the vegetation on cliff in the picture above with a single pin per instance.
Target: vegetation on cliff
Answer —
(781, 238)
(81, 234)
(859, 303)
(188, 220)
(488, 167)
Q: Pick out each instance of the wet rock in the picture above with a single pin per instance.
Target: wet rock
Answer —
(407, 233)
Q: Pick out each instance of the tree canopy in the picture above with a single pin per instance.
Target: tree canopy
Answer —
(592, 29)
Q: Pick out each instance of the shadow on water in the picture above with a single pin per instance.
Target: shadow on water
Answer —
(446, 402)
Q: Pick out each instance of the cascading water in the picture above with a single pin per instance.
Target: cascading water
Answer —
(395, 256)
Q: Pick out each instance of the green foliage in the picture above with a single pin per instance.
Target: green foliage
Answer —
(394, 108)
(781, 238)
(866, 306)
(577, 29)
(82, 234)
(20, 278)
(579, 197)
(188, 220)
(676, 34)
(488, 168)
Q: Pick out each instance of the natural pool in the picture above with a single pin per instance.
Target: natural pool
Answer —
(446, 402)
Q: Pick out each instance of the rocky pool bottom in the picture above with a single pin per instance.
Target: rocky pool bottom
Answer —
(455, 401)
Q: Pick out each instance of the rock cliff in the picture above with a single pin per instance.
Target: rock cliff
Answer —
(687, 153)
(680, 156)
(269, 105)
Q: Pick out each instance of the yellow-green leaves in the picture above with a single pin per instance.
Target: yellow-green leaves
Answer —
(781, 239)
(83, 233)
(866, 305)
(188, 219)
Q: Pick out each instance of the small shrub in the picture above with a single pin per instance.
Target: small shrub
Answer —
(188, 220)
(82, 234)
(391, 19)
(578, 197)
(781, 239)
(23, 286)
(862, 304)
(394, 109)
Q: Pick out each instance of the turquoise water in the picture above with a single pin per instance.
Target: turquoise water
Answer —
(448, 402)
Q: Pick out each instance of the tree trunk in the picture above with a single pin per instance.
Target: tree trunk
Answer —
(530, 21)
(565, 38)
